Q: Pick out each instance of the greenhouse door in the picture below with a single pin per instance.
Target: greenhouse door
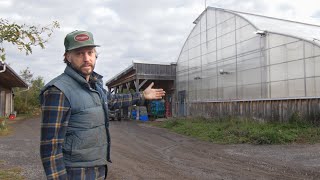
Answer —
(181, 102)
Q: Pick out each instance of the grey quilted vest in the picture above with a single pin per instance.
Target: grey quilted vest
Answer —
(87, 140)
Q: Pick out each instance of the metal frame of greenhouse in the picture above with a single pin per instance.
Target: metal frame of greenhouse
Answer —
(237, 63)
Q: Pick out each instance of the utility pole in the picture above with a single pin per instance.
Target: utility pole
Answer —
(205, 4)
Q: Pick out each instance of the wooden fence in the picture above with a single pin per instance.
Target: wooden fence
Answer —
(281, 110)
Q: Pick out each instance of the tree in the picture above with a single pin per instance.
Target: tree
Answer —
(36, 85)
(24, 36)
(26, 75)
(27, 100)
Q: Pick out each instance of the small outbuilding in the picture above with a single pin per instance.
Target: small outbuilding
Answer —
(9, 79)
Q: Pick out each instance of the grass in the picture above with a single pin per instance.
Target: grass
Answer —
(5, 132)
(236, 130)
(11, 174)
(4, 129)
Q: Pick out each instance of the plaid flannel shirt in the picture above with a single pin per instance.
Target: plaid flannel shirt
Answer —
(56, 112)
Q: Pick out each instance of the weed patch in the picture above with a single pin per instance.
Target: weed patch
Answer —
(11, 174)
(4, 128)
(239, 130)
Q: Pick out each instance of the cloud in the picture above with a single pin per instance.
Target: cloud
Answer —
(316, 14)
(6, 3)
(127, 30)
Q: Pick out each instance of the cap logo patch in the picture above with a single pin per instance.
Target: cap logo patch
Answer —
(81, 37)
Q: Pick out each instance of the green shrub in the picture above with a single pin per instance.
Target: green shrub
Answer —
(3, 124)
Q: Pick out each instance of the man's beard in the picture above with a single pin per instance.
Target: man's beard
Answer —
(86, 71)
(82, 72)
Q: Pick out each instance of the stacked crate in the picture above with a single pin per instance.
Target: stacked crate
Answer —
(157, 108)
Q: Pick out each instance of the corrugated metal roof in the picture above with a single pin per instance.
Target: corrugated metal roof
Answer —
(132, 67)
(10, 78)
(119, 75)
(143, 70)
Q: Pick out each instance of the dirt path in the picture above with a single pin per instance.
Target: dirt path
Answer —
(143, 152)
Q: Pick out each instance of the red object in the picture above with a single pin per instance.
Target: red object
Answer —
(12, 116)
(168, 110)
(82, 37)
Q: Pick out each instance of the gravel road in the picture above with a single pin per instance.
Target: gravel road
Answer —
(140, 151)
(21, 149)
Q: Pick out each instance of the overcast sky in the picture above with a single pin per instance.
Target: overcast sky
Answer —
(127, 30)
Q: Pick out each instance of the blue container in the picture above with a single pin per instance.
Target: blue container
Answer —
(144, 118)
(134, 114)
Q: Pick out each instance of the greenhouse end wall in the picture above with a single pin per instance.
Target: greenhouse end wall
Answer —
(224, 60)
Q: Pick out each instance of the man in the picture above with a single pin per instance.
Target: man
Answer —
(75, 139)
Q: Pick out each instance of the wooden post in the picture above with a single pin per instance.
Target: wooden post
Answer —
(143, 82)
(120, 88)
(136, 83)
(128, 85)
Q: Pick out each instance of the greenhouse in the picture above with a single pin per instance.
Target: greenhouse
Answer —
(236, 63)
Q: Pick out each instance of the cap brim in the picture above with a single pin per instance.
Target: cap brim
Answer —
(87, 45)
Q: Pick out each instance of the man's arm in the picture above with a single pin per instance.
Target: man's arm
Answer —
(116, 101)
(55, 115)
(124, 100)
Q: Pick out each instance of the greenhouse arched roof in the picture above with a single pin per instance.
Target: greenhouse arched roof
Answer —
(310, 32)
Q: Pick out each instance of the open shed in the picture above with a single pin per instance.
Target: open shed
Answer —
(139, 75)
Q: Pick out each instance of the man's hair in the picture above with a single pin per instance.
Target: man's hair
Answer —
(65, 60)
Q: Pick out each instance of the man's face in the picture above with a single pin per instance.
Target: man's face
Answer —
(83, 60)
